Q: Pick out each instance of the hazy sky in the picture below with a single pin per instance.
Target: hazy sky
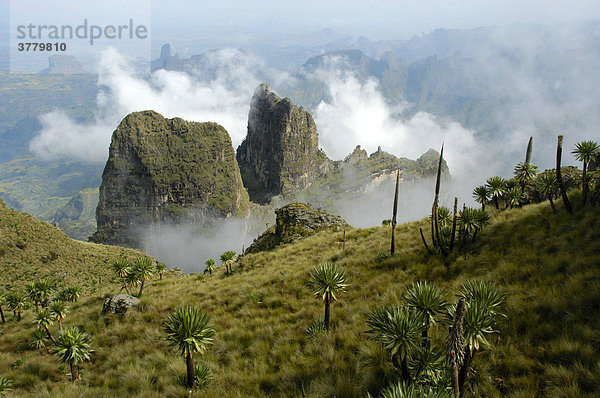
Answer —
(377, 19)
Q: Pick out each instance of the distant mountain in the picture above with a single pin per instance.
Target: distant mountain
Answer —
(14, 142)
(40, 187)
(28, 183)
(62, 65)
(29, 96)
(491, 80)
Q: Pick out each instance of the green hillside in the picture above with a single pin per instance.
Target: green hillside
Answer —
(547, 345)
(31, 249)
(30, 95)
(47, 188)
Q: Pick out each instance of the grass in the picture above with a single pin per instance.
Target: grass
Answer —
(31, 249)
(548, 345)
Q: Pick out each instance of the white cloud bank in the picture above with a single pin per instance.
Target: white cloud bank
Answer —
(358, 114)
(222, 99)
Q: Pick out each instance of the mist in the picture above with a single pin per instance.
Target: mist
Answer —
(222, 98)
(358, 114)
(188, 248)
(380, 19)
(547, 79)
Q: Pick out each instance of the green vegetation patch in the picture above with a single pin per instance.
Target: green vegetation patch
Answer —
(31, 249)
(546, 264)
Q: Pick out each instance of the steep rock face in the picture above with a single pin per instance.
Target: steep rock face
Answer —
(295, 221)
(280, 154)
(166, 170)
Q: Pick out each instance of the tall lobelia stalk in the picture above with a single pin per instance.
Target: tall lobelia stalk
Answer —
(455, 346)
(393, 244)
(453, 224)
(437, 197)
(529, 149)
(435, 226)
(559, 179)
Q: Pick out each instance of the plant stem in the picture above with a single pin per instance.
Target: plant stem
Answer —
(327, 311)
(189, 362)
(393, 246)
(559, 179)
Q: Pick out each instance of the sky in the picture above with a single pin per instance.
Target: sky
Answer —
(196, 26)
(377, 19)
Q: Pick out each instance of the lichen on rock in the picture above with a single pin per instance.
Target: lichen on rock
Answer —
(119, 304)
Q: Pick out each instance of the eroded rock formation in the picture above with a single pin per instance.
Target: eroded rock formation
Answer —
(166, 170)
(295, 221)
(280, 154)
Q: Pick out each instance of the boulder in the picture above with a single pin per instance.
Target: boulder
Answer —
(119, 304)
(295, 221)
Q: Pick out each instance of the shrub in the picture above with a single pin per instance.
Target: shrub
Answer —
(316, 328)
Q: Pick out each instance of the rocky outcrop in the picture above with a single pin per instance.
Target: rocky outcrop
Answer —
(360, 173)
(428, 163)
(357, 156)
(295, 221)
(166, 170)
(280, 154)
(119, 304)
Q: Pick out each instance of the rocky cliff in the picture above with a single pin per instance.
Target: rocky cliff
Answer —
(360, 173)
(295, 221)
(280, 154)
(166, 170)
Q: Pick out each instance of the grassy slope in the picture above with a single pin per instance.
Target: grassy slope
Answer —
(548, 346)
(40, 188)
(31, 249)
(78, 217)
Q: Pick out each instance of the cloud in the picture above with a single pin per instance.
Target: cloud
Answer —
(356, 113)
(221, 95)
(188, 248)
(544, 81)
(62, 136)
